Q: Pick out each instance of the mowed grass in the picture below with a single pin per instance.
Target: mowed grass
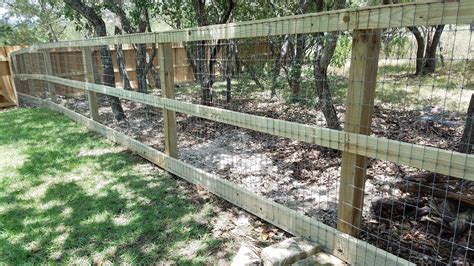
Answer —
(68, 196)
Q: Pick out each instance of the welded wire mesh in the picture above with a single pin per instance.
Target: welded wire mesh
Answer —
(416, 214)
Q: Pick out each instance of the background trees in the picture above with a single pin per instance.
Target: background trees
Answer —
(292, 59)
(26, 22)
(93, 17)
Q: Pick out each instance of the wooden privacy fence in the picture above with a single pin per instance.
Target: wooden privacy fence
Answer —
(7, 89)
(68, 63)
(354, 142)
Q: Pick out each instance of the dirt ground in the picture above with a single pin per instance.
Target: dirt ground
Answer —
(305, 177)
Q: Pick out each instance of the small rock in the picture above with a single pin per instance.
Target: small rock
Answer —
(245, 256)
(320, 259)
(289, 251)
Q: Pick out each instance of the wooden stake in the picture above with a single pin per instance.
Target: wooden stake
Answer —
(49, 71)
(167, 87)
(360, 101)
(89, 76)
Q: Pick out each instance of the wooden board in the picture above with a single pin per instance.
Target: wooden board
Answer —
(168, 90)
(436, 160)
(7, 86)
(89, 78)
(355, 251)
(358, 119)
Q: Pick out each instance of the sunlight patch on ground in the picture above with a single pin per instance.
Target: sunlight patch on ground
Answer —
(11, 157)
(189, 248)
(83, 152)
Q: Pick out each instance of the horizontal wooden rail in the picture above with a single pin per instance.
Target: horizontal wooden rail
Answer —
(387, 16)
(354, 251)
(428, 158)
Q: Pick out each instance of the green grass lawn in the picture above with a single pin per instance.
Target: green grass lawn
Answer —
(68, 196)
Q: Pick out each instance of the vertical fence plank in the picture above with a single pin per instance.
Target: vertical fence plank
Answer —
(49, 71)
(167, 87)
(360, 100)
(89, 78)
(29, 70)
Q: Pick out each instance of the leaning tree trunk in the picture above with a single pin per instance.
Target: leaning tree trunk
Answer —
(467, 140)
(420, 50)
(323, 91)
(429, 65)
(121, 63)
(324, 54)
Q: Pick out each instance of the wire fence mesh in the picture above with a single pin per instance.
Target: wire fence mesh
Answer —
(422, 95)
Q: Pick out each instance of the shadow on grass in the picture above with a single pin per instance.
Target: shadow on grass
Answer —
(57, 206)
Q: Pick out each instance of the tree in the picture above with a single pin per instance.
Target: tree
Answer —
(325, 45)
(466, 144)
(427, 41)
(91, 15)
(27, 21)
(206, 65)
(137, 21)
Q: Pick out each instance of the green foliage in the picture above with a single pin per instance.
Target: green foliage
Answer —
(342, 52)
(29, 21)
(396, 44)
(69, 197)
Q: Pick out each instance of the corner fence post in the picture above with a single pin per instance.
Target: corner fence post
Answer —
(89, 78)
(360, 102)
(49, 71)
(168, 90)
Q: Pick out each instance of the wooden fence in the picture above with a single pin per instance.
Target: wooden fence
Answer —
(8, 95)
(354, 142)
(68, 63)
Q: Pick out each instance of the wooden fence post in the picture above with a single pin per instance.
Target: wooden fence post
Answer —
(49, 71)
(360, 101)
(89, 78)
(167, 88)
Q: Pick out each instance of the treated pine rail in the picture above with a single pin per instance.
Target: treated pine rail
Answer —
(354, 142)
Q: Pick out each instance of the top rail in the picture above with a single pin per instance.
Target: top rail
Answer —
(424, 13)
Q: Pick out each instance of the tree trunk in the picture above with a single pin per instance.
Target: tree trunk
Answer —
(323, 91)
(467, 139)
(426, 50)
(228, 77)
(141, 67)
(282, 50)
(429, 66)
(296, 67)
(325, 47)
(106, 59)
(205, 67)
(190, 50)
(109, 80)
(121, 63)
(420, 50)
(204, 74)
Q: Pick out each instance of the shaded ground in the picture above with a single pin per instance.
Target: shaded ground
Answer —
(68, 196)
